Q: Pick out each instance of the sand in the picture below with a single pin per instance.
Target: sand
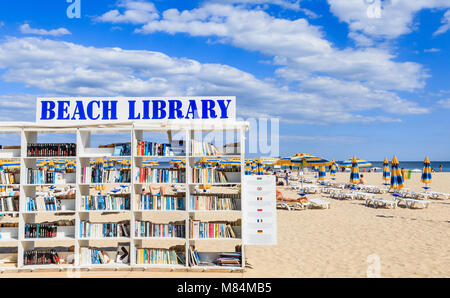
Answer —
(348, 240)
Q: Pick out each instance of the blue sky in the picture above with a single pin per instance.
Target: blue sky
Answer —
(345, 77)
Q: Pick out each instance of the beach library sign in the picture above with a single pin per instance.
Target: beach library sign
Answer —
(124, 109)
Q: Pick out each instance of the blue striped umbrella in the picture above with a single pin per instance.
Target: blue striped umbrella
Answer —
(322, 173)
(354, 175)
(396, 175)
(386, 171)
(333, 170)
(426, 173)
(360, 163)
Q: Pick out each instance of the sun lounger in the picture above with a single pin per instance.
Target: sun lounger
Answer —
(319, 203)
(412, 203)
(378, 202)
(438, 195)
(288, 205)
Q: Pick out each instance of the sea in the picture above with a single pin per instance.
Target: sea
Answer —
(413, 165)
(409, 165)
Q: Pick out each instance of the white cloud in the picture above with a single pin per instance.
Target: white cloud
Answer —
(445, 24)
(286, 4)
(393, 19)
(135, 12)
(27, 29)
(295, 44)
(445, 103)
(65, 68)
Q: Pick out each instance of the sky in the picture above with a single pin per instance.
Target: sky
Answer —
(344, 77)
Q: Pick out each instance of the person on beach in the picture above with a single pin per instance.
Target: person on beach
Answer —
(155, 189)
(280, 197)
(440, 168)
(362, 180)
(286, 177)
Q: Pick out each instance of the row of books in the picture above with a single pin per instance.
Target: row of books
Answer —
(157, 175)
(158, 256)
(96, 175)
(43, 204)
(198, 229)
(145, 148)
(212, 203)
(92, 256)
(203, 149)
(158, 202)
(40, 257)
(149, 229)
(7, 178)
(37, 150)
(208, 176)
(41, 230)
(44, 177)
(104, 230)
(105, 202)
(46, 230)
(9, 204)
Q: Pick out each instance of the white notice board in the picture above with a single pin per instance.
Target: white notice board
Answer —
(260, 210)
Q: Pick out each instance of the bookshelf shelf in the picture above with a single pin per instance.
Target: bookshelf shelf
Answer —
(86, 140)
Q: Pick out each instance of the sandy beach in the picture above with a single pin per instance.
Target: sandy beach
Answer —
(347, 240)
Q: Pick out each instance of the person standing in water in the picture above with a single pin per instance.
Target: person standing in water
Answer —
(440, 168)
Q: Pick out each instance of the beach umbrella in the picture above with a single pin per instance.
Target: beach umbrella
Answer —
(354, 174)
(426, 173)
(285, 161)
(248, 169)
(333, 170)
(396, 175)
(386, 171)
(360, 163)
(322, 173)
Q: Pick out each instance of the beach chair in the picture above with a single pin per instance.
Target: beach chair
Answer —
(378, 202)
(413, 203)
(438, 195)
(290, 205)
(319, 203)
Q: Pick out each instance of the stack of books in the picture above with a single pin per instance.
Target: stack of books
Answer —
(99, 175)
(203, 149)
(153, 149)
(152, 175)
(201, 230)
(105, 202)
(158, 202)
(149, 229)
(9, 204)
(104, 230)
(48, 150)
(158, 256)
(212, 203)
(208, 176)
(229, 259)
(43, 204)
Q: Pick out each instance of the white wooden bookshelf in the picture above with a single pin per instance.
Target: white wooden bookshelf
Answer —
(82, 136)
